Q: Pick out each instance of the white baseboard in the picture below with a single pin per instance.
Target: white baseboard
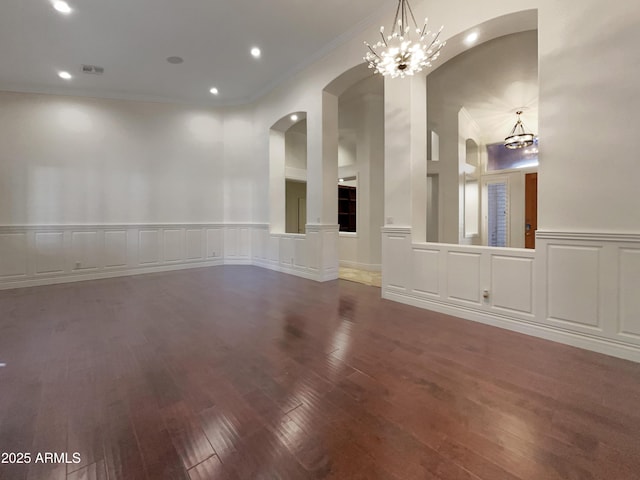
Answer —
(81, 277)
(575, 339)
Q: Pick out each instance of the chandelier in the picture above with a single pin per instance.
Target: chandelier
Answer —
(397, 55)
(519, 138)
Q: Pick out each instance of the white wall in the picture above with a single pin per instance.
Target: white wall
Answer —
(240, 176)
(588, 108)
(296, 146)
(72, 160)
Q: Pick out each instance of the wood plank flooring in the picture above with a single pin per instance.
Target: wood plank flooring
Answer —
(242, 373)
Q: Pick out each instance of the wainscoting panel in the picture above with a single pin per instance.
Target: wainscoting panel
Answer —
(237, 240)
(195, 244)
(85, 250)
(13, 254)
(215, 239)
(173, 248)
(426, 271)
(444, 276)
(300, 252)
(629, 292)
(50, 257)
(313, 247)
(274, 249)
(286, 251)
(259, 244)
(39, 255)
(231, 239)
(512, 283)
(115, 248)
(463, 276)
(244, 242)
(573, 285)
(396, 258)
(149, 247)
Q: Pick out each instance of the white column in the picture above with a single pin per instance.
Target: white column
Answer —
(322, 162)
(406, 154)
(322, 185)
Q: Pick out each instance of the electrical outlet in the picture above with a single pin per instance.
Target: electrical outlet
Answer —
(78, 264)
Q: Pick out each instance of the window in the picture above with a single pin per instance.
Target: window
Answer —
(500, 157)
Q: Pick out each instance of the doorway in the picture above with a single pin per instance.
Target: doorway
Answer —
(530, 209)
(296, 206)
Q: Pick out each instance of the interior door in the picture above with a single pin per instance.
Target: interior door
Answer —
(530, 209)
(495, 211)
(302, 215)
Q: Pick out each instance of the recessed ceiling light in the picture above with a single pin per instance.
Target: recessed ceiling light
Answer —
(214, 91)
(341, 180)
(255, 52)
(65, 75)
(175, 60)
(294, 118)
(62, 7)
(471, 38)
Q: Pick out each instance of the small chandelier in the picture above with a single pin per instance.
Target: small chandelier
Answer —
(397, 55)
(519, 138)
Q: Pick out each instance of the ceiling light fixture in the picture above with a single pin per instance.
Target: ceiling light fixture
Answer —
(62, 7)
(519, 138)
(65, 75)
(471, 38)
(294, 118)
(397, 55)
(214, 91)
(255, 52)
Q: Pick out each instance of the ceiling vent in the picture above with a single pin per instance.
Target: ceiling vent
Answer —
(92, 69)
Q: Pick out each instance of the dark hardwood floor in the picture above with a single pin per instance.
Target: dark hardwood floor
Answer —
(243, 373)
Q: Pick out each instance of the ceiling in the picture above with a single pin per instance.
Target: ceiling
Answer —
(133, 39)
(491, 81)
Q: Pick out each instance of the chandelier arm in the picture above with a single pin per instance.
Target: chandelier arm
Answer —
(395, 20)
(435, 39)
(424, 29)
(513, 130)
(384, 40)
(412, 16)
(372, 50)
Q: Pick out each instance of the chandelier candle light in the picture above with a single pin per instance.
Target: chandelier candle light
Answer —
(397, 55)
(519, 138)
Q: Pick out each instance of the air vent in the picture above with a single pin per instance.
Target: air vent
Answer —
(92, 69)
